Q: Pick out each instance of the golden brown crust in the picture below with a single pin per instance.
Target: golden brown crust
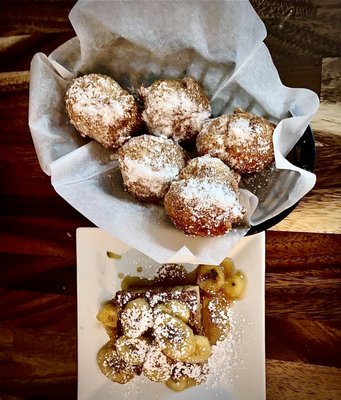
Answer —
(204, 200)
(149, 164)
(99, 108)
(175, 108)
(243, 141)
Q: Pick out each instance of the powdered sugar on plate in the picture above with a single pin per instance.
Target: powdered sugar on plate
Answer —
(224, 361)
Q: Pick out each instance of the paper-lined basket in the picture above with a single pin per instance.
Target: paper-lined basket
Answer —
(135, 42)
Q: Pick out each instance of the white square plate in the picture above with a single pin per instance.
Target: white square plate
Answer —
(240, 373)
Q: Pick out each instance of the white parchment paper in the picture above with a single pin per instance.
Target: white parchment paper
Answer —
(220, 43)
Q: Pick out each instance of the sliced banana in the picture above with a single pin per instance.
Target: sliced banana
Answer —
(198, 372)
(157, 366)
(202, 352)
(108, 314)
(179, 385)
(234, 287)
(112, 366)
(210, 278)
(215, 317)
(132, 350)
(136, 318)
(139, 303)
(178, 309)
(216, 333)
(227, 265)
(161, 309)
(111, 332)
(174, 336)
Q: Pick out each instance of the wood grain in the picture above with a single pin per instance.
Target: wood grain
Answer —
(13, 81)
(38, 345)
(301, 28)
(286, 250)
(34, 16)
(304, 277)
(331, 79)
(304, 341)
(287, 380)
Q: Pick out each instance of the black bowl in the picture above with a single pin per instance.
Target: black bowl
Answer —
(302, 156)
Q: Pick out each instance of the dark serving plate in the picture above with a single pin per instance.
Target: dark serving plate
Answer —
(303, 156)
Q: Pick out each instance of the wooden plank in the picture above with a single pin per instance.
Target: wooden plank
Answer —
(286, 251)
(314, 295)
(301, 28)
(6, 43)
(13, 81)
(38, 345)
(327, 120)
(16, 55)
(318, 212)
(303, 276)
(331, 79)
(291, 381)
(306, 341)
(301, 72)
(27, 17)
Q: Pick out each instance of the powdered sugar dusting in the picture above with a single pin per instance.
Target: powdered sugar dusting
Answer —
(136, 321)
(175, 108)
(220, 316)
(224, 362)
(198, 372)
(99, 108)
(242, 140)
(240, 130)
(157, 363)
(167, 329)
(207, 194)
(149, 165)
(211, 194)
(134, 350)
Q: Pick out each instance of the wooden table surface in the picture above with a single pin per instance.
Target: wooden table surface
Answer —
(38, 341)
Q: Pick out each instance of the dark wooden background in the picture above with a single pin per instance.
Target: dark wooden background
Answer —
(38, 324)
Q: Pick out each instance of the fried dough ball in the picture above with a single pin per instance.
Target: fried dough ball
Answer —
(175, 108)
(99, 108)
(204, 200)
(243, 141)
(149, 164)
